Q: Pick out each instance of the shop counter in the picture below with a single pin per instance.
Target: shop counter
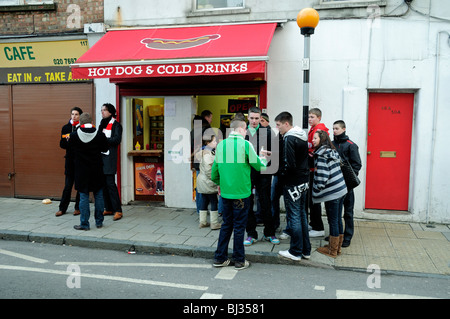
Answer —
(157, 153)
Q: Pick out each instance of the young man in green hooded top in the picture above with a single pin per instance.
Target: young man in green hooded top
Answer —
(231, 171)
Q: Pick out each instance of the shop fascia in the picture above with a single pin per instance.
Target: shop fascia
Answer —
(180, 69)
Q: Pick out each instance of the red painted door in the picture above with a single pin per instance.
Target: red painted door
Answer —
(389, 150)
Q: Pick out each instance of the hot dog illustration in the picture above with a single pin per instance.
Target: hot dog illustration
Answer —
(172, 44)
(146, 181)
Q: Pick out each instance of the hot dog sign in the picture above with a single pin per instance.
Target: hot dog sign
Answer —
(149, 66)
(179, 44)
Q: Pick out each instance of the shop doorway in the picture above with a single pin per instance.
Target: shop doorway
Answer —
(158, 144)
(390, 122)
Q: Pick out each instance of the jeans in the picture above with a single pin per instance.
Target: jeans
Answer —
(85, 212)
(334, 216)
(207, 199)
(275, 194)
(198, 196)
(297, 223)
(234, 216)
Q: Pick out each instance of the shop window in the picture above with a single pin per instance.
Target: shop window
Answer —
(26, 5)
(148, 148)
(23, 2)
(349, 3)
(148, 124)
(218, 4)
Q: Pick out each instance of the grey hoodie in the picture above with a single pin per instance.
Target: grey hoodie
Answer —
(297, 132)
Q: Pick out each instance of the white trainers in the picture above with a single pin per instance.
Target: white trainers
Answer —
(284, 236)
(287, 254)
(241, 265)
(316, 233)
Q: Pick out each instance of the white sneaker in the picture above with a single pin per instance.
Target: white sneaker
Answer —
(316, 233)
(284, 236)
(287, 254)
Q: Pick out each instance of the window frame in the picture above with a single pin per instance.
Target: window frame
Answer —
(195, 9)
(26, 2)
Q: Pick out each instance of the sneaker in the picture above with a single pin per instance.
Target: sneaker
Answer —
(272, 239)
(221, 264)
(306, 257)
(241, 265)
(316, 233)
(250, 241)
(287, 254)
(284, 236)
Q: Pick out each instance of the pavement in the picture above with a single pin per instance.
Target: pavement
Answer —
(392, 247)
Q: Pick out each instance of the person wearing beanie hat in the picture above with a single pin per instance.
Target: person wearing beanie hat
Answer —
(87, 144)
(113, 131)
(69, 167)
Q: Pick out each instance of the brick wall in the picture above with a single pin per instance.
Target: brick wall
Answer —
(65, 16)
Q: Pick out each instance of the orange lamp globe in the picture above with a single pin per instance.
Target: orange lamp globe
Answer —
(308, 18)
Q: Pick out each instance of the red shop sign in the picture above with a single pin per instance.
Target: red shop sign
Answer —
(162, 70)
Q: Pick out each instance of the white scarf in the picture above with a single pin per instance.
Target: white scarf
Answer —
(107, 131)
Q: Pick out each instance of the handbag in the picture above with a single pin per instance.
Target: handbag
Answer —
(350, 177)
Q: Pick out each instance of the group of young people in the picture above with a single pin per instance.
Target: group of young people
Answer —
(91, 164)
(308, 173)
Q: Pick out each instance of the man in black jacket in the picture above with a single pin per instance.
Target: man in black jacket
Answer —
(348, 151)
(87, 144)
(294, 174)
(113, 132)
(69, 168)
(260, 137)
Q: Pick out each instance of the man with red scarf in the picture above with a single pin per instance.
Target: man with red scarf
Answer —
(69, 170)
(113, 131)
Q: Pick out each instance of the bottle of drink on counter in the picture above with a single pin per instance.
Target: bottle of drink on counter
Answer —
(159, 180)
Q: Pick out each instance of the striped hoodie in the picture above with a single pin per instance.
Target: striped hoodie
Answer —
(329, 182)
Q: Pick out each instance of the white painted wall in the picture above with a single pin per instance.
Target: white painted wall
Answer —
(348, 58)
(177, 167)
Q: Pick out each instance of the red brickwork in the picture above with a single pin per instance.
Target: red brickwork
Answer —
(67, 16)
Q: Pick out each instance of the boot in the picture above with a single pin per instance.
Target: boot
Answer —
(341, 240)
(203, 214)
(215, 220)
(332, 248)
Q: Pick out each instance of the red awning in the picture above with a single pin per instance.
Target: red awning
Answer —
(181, 51)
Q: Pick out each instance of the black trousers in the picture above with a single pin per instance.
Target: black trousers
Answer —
(111, 194)
(263, 185)
(67, 194)
(349, 203)
(315, 210)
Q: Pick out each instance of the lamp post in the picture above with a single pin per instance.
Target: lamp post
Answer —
(307, 20)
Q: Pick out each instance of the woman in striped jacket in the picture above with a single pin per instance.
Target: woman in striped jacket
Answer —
(329, 187)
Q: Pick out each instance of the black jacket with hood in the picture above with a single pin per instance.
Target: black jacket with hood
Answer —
(294, 167)
(348, 150)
